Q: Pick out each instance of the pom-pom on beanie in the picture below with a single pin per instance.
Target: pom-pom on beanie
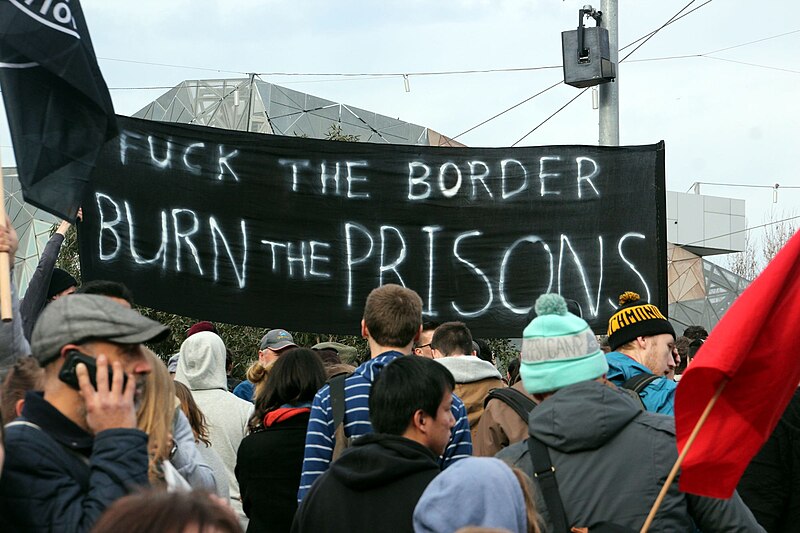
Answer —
(558, 348)
(635, 318)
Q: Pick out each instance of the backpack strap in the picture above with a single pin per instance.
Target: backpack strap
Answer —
(545, 473)
(521, 404)
(639, 382)
(338, 407)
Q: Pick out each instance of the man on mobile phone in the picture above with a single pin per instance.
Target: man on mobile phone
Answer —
(74, 451)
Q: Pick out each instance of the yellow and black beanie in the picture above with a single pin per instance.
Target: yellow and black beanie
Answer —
(635, 318)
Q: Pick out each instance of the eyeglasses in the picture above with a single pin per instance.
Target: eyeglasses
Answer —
(424, 345)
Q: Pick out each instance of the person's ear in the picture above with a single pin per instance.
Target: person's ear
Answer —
(419, 332)
(364, 330)
(18, 406)
(420, 421)
(67, 348)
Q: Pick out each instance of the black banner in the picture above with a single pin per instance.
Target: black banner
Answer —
(58, 107)
(292, 232)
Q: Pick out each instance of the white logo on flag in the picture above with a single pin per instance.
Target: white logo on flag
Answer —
(53, 14)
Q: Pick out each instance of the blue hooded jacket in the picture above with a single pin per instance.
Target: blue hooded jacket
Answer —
(658, 396)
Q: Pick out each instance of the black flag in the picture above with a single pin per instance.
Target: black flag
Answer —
(59, 110)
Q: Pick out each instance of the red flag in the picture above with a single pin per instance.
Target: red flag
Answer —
(754, 346)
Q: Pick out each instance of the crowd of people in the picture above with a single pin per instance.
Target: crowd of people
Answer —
(103, 433)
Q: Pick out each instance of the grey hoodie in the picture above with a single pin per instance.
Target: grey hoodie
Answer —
(201, 367)
(611, 460)
(469, 368)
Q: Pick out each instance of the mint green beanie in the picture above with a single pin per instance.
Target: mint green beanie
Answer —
(558, 348)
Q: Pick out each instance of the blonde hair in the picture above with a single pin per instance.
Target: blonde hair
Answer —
(525, 484)
(258, 373)
(155, 415)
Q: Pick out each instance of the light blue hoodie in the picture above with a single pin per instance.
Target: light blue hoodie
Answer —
(477, 491)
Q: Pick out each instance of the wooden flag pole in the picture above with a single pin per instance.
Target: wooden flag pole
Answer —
(5, 259)
(674, 472)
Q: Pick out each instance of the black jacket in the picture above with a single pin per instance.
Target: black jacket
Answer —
(57, 477)
(36, 294)
(268, 467)
(771, 484)
(374, 486)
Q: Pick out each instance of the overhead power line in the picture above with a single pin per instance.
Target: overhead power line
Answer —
(476, 126)
(646, 37)
(350, 76)
(671, 21)
(742, 230)
(752, 64)
(118, 60)
(643, 40)
(556, 112)
(746, 185)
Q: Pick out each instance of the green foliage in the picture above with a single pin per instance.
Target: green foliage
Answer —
(242, 341)
(504, 352)
(69, 259)
(335, 134)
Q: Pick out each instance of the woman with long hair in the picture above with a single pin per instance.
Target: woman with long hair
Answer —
(169, 433)
(270, 458)
(199, 432)
(154, 416)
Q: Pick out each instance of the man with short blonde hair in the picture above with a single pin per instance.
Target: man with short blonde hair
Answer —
(642, 353)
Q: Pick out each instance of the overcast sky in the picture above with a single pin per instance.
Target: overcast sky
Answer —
(722, 121)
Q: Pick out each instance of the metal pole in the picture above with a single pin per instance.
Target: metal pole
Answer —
(609, 92)
(250, 100)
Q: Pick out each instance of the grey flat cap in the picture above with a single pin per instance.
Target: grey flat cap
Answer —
(347, 354)
(80, 317)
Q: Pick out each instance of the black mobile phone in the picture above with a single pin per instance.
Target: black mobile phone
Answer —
(70, 377)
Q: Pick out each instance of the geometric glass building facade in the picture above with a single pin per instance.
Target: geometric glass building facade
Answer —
(250, 104)
(33, 229)
(699, 291)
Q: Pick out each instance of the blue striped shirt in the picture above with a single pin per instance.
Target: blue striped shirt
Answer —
(320, 434)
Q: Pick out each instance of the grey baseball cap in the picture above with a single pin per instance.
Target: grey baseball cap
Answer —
(82, 317)
(276, 340)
